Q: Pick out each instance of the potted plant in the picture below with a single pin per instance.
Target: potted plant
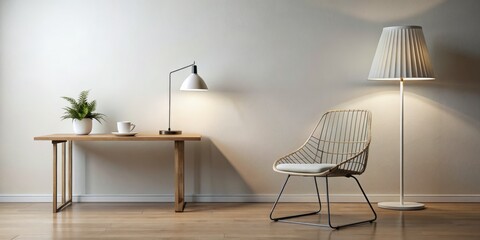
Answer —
(81, 113)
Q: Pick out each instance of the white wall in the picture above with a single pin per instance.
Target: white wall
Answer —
(273, 67)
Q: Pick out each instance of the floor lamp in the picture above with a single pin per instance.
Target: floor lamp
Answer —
(401, 55)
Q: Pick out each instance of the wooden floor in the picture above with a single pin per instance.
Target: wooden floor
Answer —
(230, 221)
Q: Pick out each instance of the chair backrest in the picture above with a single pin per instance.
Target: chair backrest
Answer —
(340, 135)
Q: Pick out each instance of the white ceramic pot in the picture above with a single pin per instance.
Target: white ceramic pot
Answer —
(82, 127)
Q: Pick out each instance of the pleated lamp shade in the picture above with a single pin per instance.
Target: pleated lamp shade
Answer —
(401, 54)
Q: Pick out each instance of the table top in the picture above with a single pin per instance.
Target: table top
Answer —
(111, 137)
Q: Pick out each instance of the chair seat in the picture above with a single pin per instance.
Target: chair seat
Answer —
(305, 167)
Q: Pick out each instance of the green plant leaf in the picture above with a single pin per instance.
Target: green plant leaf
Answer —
(72, 101)
(81, 108)
(82, 99)
(92, 106)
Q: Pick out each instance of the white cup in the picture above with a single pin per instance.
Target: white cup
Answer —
(125, 126)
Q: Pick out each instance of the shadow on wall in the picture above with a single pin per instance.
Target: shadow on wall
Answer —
(456, 91)
(442, 122)
(148, 168)
(456, 86)
(124, 168)
(214, 174)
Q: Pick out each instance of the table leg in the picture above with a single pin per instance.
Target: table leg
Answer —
(65, 202)
(70, 150)
(179, 176)
(64, 167)
(54, 200)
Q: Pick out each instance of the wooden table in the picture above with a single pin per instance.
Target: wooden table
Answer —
(179, 147)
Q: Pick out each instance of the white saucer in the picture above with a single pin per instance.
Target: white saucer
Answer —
(124, 134)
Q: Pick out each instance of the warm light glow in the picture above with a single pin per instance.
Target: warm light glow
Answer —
(195, 90)
(398, 79)
(379, 11)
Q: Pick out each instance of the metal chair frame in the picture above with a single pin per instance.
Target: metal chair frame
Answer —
(341, 137)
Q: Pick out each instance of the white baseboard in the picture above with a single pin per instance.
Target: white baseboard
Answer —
(242, 197)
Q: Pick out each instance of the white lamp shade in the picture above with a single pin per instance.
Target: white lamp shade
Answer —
(194, 83)
(401, 53)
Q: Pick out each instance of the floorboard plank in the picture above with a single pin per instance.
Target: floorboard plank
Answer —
(231, 221)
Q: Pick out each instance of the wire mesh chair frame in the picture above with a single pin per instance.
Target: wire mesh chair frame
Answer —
(340, 138)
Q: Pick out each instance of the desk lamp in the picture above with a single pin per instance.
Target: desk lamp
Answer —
(192, 83)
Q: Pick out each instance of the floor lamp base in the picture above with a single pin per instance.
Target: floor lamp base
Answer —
(399, 206)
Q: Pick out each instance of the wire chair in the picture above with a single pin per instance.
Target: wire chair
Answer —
(337, 147)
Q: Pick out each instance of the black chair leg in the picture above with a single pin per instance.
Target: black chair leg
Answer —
(354, 223)
(282, 219)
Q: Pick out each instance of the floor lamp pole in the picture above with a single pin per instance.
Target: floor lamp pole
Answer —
(401, 143)
(401, 205)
